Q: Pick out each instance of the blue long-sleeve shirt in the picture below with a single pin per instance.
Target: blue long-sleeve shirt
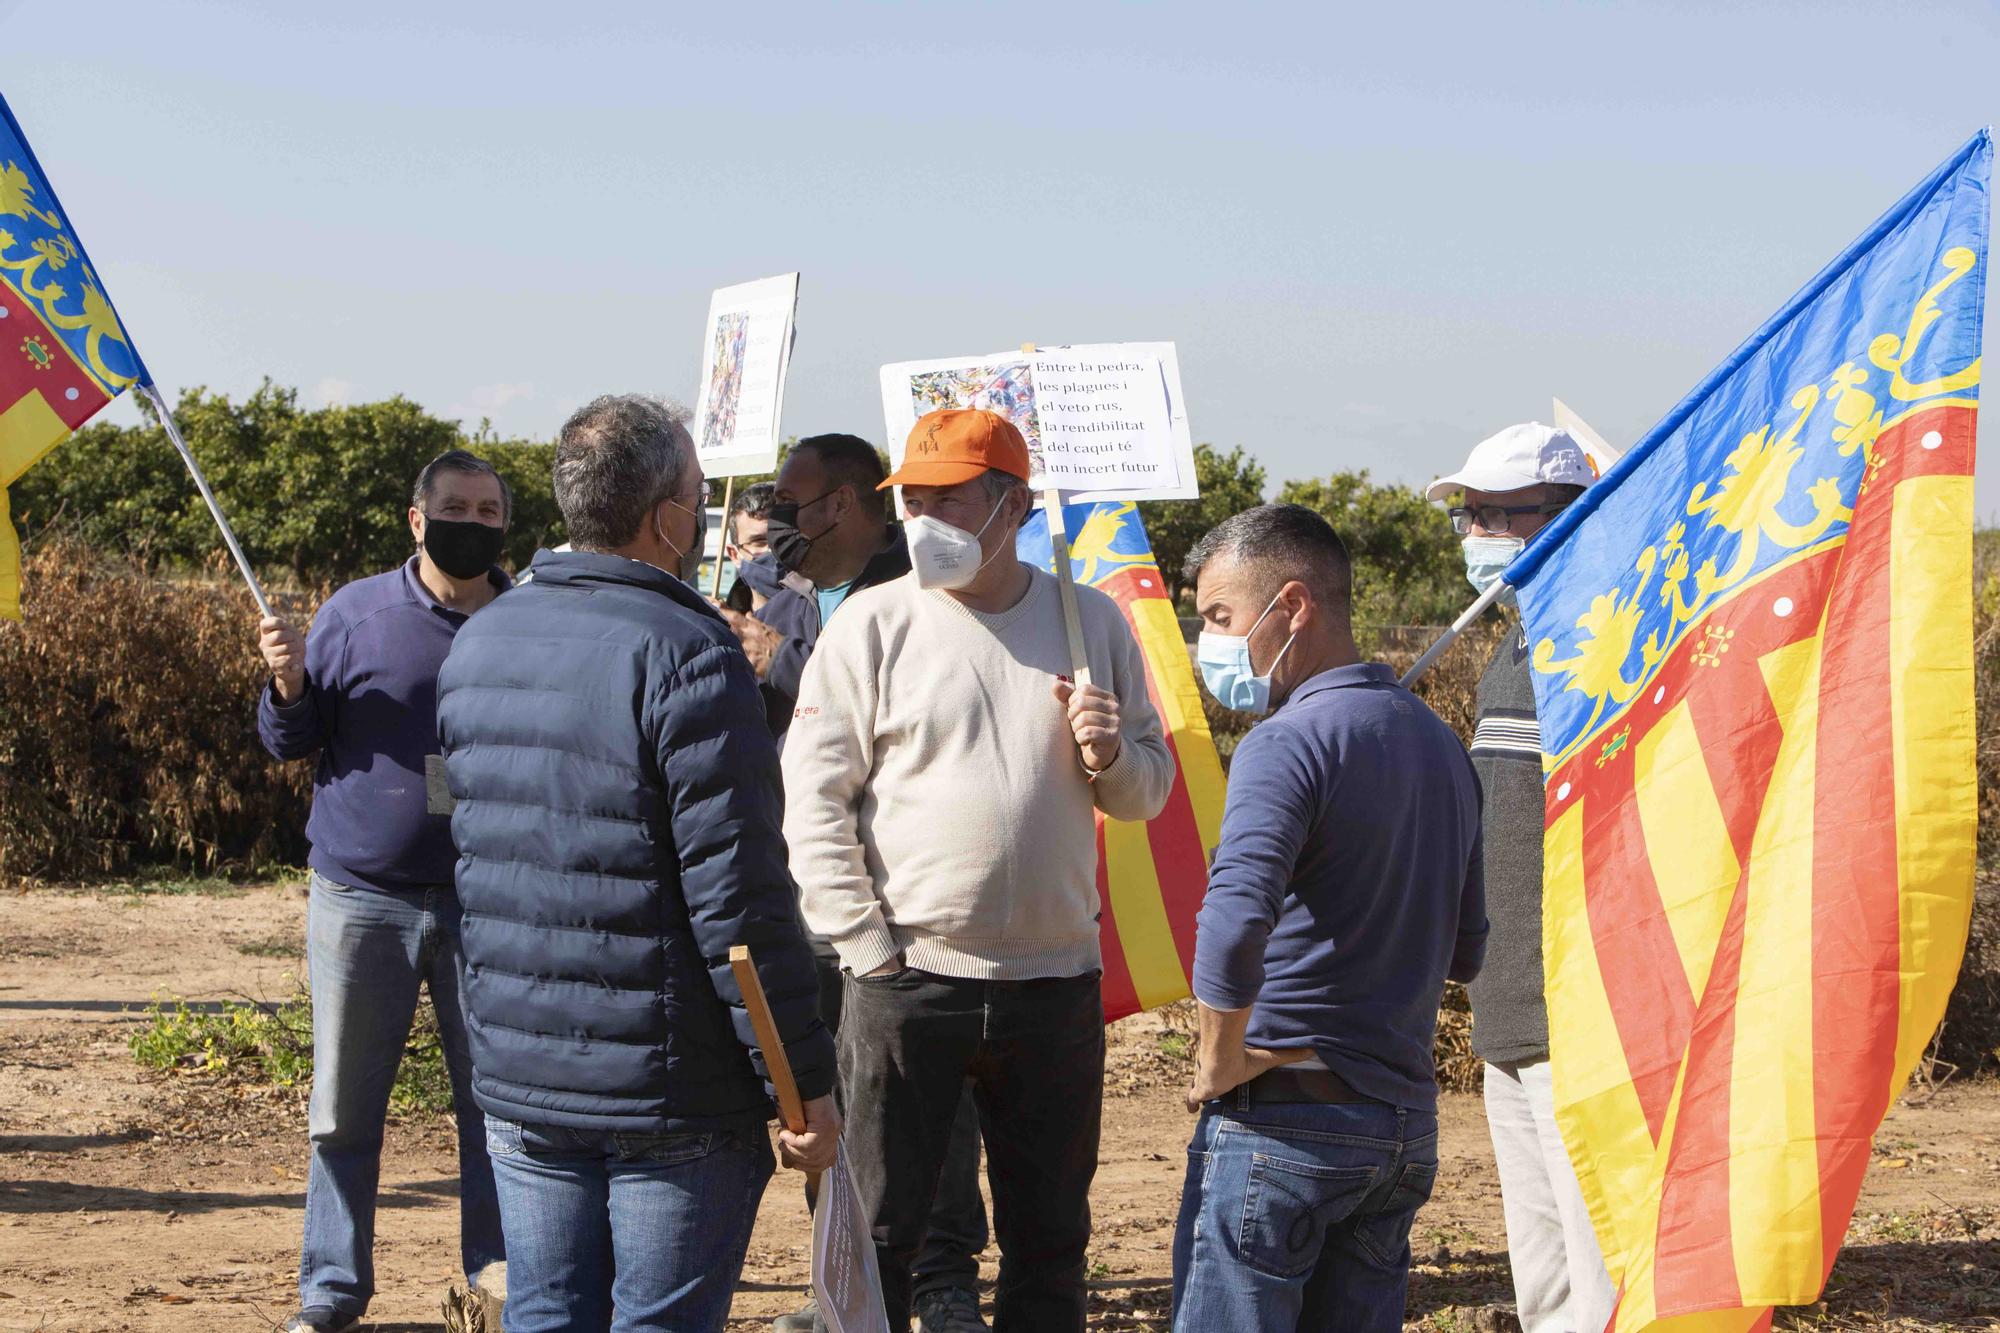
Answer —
(369, 712)
(1347, 885)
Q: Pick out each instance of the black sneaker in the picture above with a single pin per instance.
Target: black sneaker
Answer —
(321, 1319)
(952, 1310)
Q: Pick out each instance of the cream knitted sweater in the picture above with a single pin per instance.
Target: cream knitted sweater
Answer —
(936, 802)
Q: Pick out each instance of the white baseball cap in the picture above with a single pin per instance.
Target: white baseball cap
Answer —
(1529, 454)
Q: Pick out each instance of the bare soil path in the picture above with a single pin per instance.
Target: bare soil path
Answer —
(136, 1201)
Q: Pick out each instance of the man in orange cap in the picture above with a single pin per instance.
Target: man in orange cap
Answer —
(943, 773)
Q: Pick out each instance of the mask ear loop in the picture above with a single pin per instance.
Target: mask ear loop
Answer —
(1267, 674)
(661, 532)
(981, 533)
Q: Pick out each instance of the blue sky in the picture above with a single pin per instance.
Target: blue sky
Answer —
(1377, 233)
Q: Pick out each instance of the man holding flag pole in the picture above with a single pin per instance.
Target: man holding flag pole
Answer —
(1509, 489)
(73, 358)
(1751, 651)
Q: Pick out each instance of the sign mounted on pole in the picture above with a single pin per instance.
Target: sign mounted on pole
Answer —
(746, 350)
(1103, 421)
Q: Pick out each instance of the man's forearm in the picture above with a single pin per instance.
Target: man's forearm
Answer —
(1222, 1062)
(1221, 1034)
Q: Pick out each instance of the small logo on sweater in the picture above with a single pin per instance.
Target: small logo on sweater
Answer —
(808, 710)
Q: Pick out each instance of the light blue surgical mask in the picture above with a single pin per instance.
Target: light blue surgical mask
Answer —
(1487, 557)
(1226, 669)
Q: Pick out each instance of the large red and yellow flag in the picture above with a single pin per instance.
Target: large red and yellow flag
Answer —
(1151, 876)
(63, 353)
(1753, 668)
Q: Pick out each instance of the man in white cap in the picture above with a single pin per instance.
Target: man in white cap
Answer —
(1510, 488)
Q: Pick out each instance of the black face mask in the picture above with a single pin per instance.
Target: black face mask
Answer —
(789, 546)
(462, 549)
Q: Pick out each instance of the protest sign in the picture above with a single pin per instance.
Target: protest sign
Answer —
(847, 1284)
(746, 350)
(846, 1281)
(1595, 447)
(1102, 420)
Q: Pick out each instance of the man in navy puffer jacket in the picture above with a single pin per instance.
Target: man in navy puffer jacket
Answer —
(618, 831)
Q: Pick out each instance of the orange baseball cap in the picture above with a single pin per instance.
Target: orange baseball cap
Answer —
(955, 444)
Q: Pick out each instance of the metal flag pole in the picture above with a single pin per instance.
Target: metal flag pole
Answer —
(1458, 627)
(152, 395)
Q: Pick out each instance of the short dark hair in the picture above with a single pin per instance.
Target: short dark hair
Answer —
(617, 457)
(459, 460)
(753, 500)
(1281, 542)
(850, 460)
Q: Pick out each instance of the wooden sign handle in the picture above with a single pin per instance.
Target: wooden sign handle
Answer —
(1079, 659)
(791, 1111)
(728, 496)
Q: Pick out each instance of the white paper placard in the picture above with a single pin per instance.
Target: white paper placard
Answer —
(845, 1277)
(746, 350)
(1102, 420)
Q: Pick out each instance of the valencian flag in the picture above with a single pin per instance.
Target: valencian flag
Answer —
(63, 353)
(1150, 876)
(1753, 669)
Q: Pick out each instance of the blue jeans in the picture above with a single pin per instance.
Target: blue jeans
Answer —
(367, 952)
(1298, 1216)
(625, 1232)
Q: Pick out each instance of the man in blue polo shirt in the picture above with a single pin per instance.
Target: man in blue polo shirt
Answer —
(1344, 892)
(360, 693)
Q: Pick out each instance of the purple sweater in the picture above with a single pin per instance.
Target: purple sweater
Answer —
(1347, 885)
(370, 713)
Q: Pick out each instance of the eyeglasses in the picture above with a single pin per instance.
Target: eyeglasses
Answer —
(1496, 518)
(705, 494)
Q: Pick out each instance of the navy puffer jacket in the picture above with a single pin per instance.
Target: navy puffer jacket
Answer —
(618, 830)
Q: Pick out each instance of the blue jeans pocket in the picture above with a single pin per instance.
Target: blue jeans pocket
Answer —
(666, 1149)
(502, 1136)
(1386, 1231)
(1289, 1205)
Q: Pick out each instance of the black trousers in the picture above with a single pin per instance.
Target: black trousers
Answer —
(1033, 1052)
(949, 1255)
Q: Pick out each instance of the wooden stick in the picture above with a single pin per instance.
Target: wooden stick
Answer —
(791, 1111)
(728, 495)
(1079, 659)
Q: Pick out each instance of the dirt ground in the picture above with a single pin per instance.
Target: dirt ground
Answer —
(130, 1200)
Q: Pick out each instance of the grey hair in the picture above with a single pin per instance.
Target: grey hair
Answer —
(617, 457)
(472, 465)
(999, 485)
(1280, 542)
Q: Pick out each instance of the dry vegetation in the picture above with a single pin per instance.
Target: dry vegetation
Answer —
(126, 732)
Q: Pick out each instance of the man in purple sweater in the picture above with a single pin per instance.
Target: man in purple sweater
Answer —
(360, 693)
(1344, 891)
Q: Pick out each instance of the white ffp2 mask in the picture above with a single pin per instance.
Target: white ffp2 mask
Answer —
(942, 556)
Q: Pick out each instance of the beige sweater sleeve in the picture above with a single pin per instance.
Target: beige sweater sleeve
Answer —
(1139, 780)
(829, 753)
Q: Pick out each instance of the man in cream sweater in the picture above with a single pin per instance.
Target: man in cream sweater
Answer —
(942, 774)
